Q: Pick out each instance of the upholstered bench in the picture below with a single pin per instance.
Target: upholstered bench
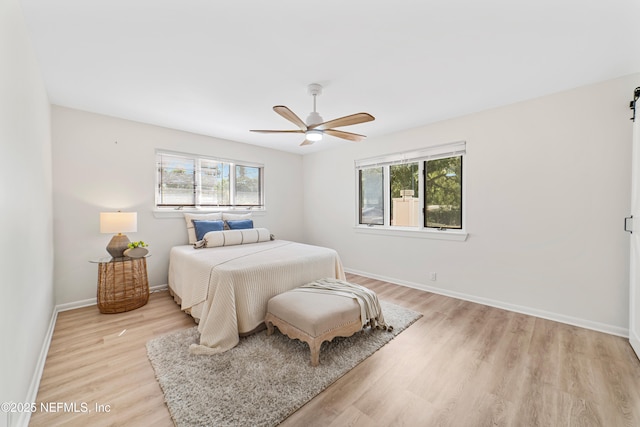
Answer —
(313, 318)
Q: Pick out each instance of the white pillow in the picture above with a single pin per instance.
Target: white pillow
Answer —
(235, 237)
(234, 216)
(189, 217)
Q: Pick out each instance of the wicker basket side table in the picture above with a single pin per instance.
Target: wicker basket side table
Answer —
(123, 284)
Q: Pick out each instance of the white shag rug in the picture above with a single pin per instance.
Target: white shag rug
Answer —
(262, 380)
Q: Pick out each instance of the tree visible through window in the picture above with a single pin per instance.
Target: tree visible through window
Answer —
(176, 181)
(421, 189)
(443, 193)
(185, 180)
(214, 183)
(248, 186)
(405, 201)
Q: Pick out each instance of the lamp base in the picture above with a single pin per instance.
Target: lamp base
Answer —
(118, 244)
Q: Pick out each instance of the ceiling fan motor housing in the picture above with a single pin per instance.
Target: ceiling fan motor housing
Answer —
(314, 119)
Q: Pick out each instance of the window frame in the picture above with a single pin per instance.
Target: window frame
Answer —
(425, 170)
(198, 205)
(421, 156)
(360, 197)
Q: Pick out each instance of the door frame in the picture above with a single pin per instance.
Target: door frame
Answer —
(634, 245)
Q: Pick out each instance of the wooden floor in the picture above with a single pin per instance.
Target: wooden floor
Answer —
(461, 364)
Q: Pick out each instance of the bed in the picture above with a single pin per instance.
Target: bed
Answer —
(226, 289)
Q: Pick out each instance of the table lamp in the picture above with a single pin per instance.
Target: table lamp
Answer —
(118, 223)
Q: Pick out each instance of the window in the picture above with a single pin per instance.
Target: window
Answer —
(248, 191)
(214, 183)
(371, 196)
(417, 190)
(443, 193)
(405, 206)
(186, 180)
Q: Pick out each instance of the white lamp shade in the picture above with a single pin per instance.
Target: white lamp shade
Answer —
(118, 222)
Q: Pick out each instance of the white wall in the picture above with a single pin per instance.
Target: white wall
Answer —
(548, 186)
(93, 173)
(26, 253)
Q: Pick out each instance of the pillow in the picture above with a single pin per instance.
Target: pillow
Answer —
(203, 227)
(189, 217)
(233, 237)
(239, 224)
(233, 217)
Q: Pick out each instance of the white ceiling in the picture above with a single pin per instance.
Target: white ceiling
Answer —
(217, 67)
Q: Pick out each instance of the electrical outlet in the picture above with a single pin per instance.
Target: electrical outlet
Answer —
(433, 276)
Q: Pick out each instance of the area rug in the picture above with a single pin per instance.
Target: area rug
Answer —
(262, 380)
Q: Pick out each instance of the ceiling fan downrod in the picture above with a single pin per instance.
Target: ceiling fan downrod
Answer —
(314, 118)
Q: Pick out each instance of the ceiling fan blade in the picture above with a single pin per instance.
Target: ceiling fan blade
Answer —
(345, 135)
(291, 116)
(353, 119)
(276, 131)
(306, 142)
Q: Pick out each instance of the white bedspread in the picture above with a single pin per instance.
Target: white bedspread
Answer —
(227, 288)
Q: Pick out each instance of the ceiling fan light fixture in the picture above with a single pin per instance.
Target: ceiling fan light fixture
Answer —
(313, 135)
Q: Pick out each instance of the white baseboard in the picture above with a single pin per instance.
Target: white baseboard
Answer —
(22, 419)
(583, 323)
(94, 301)
(634, 339)
(76, 304)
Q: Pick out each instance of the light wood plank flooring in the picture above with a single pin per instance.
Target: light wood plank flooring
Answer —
(461, 364)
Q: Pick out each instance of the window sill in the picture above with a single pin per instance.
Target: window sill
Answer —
(178, 213)
(456, 236)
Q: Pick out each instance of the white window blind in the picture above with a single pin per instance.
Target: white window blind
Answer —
(434, 152)
(190, 180)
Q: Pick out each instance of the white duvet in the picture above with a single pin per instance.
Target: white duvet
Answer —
(227, 288)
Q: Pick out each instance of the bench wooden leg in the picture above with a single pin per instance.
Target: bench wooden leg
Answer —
(314, 342)
(314, 346)
(270, 329)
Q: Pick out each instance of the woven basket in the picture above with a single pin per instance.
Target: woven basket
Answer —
(122, 285)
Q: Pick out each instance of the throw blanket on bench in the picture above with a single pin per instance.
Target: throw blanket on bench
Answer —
(370, 310)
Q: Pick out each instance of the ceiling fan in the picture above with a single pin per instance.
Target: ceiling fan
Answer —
(316, 127)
